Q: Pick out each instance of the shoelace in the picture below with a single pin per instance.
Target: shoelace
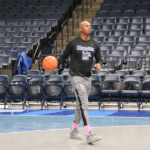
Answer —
(76, 131)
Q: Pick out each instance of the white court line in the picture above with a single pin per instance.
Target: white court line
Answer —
(79, 128)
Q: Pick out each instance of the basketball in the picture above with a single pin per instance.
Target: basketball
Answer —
(50, 63)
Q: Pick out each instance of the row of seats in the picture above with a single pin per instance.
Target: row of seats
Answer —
(38, 22)
(120, 20)
(125, 13)
(33, 9)
(35, 2)
(131, 6)
(55, 89)
(46, 15)
(124, 1)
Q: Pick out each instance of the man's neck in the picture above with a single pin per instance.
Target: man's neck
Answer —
(84, 37)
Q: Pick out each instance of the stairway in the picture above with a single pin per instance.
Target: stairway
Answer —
(87, 17)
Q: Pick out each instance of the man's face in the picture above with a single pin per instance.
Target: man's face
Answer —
(85, 28)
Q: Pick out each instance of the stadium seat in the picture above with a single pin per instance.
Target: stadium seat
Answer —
(1, 62)
(97, 20)
(109, 1)
(107, 47)
(137, 20)
(125, 47)
(25, 33)
(128, 38)
(5, 28)
(118, 7)
(122, 1)
(27, 9)
(35, 89)
(131, 6)
(50, 9)
(142, 46)
(101, 14)
(47, 74)
(14, 54)
(38, 22)
(118, 32)
(110, 20)
(4, 39)
(6, 60)
(62, 9)
(143, 6)
(21, 3)
(33, 39)
(16, 9)
(137, 52)
(104, 32)
(93, 33)
(4, 9)
(115, 13)
(18, 39)
(111, 38)
(144, 38)
(31, 28)
(33, 16)
(147, 32)
(21, 16)
(29, 45)
(45, 2)
(94, 26)
(41, 34)
(56, 2)
(136, 26)
(65, 74)
(106, 26)
(22, 49)
(140, 73)
(6, 48)
(142, 13)
(121, 73)
(105, 7)
(10, 3)
(39, 9)
(4, 80)
(102, 74)
(17, 90)
(104, 52)
(18, 28)
(123, 20)
(111, 88)
(46, 15)
(135, 1)
(33, 3)
(12, 44)
(11, 33)
(2, 3)
(121, 26)
(25, 22)
(54, 89)
(130, 88)
(135, 32)
(12, 22)
(99, 38)
(2, 22)
(30, 73)
(128, 13)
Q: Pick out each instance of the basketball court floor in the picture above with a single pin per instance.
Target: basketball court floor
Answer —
(35, 129)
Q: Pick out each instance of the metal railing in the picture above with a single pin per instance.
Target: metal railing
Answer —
(64, 31)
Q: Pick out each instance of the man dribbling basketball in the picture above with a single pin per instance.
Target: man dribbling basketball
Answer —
(82, 50)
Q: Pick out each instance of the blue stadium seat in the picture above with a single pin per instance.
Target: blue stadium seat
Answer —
(140, 73)
(131, 6)
(99, 38)
(45, 2)
(106, 26)
(107, 47)
(29, 45)
(142, 13)
(122, 1)
(4, 80)
(56, 2)
(47, 74)
(93, 33)
(2, 22)
(109, 1)
(51, 22)
(111, 88)
(27, 9)
(130, 88)
(4, 9)
(1, 62)
(121, 26)
(102, 74)
(1, 16)
(135, 32)
(50, 9)
(2, 33)
(143, 6)
(105, 7)
(46, 28)
(2, 3)
(22, 49)
(97, 20)
(33, 16)
(14, 54)
(121, 73)
(33, 39)
(101, 14)
(38, 22)
(104, 52)
(131, 43)
(38, 9)
(6, 48)
(135, 1)
(128, 13)
(10, 3)
(25, 33)
(40, 34)
(54, 89)
(65, 74)
(21, 3)
(18, 28)
(145, 39)
(136, 26)
(18, 39)
(147, 26)
(115, 13)
(33, 3)
(118, 32)
(146, 32)
(125, 47)
(118, 7)
(128, 38)
(31, 28)
(142, 46)
(17, 90)
(16, 9)
(9, 16)
(25, 22)
(147, 19)
(137, 20)
(46, 15)
(94, 26)
(12, 22)
(21, 16)
(11, 33)
(104, 32)
(35, 89)
(6, 60)
(137, 52)
(4, 39)
(30, 73)
(124, 20)
(12, 44)
(111, 38)
(110, 20)
(63, 8)
(5, 28)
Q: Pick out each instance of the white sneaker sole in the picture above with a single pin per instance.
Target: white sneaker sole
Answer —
(95, 141)
(75, 138)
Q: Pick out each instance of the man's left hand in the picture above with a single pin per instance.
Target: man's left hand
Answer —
(98, 66)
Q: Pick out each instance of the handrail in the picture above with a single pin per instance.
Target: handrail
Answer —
(64, 31)
(74, 18)
(83, 4)
(36, 50)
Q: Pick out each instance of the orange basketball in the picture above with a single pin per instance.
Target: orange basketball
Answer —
(50, 63)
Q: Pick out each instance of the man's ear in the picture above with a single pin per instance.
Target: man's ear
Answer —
(80, 29)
